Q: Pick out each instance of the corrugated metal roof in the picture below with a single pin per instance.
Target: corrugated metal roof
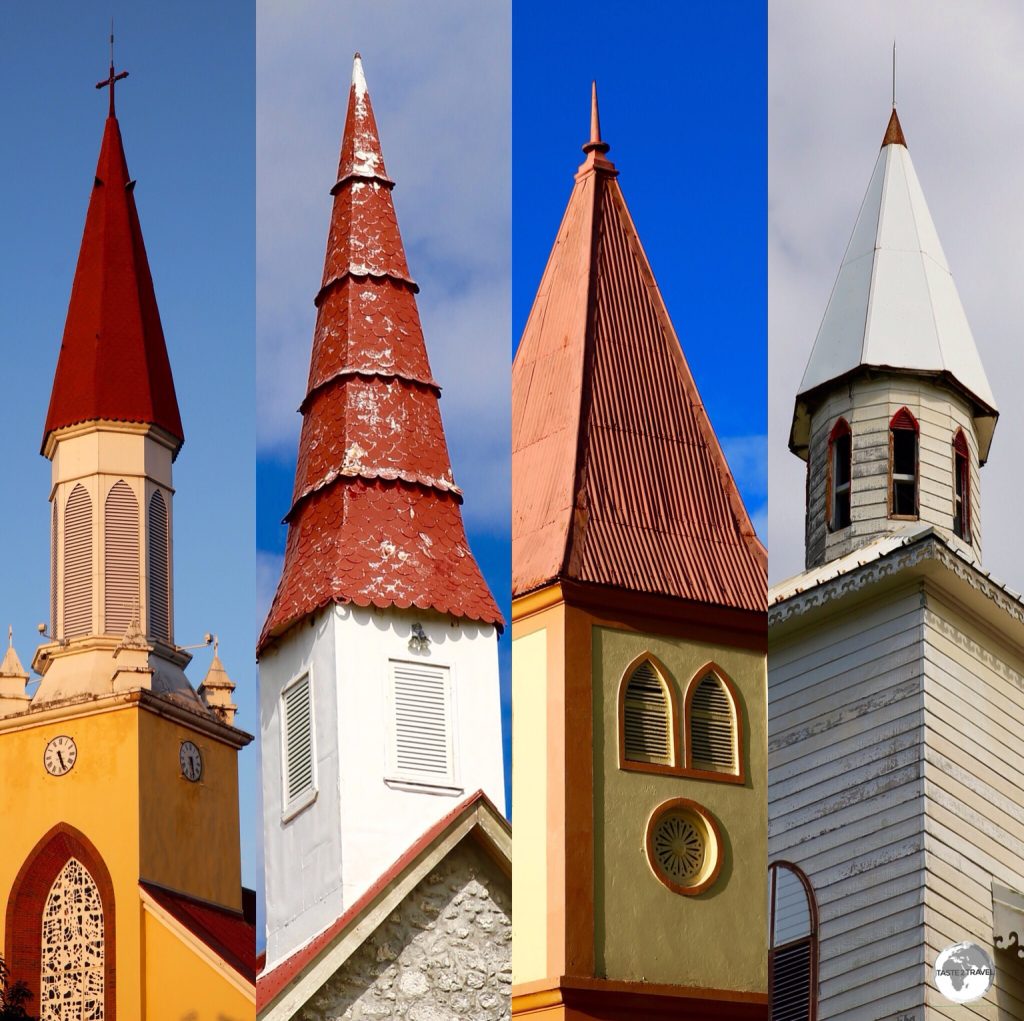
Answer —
(617, 476)
(895, 304)
(375, 516)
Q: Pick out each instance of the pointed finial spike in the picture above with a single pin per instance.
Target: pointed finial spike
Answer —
(595, 144)
(10, 636)
(894, 74)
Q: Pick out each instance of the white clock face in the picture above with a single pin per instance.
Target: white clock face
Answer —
(191, 761)
(60, 756)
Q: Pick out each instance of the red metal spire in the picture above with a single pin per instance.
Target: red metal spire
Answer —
(618, 478)
(375, 516)
(113, 360)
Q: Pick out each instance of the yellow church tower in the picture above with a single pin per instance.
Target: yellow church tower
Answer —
(638, 664)
(120, 888)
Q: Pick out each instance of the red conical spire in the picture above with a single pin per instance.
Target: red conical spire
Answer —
(375, 516)
(113, 360)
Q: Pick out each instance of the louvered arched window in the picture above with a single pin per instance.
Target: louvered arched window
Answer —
(77, 563)
(158, 572)
(646, 717)
(712, 721)
(53, 568)
(792, 944)
(840, 474)
(903, 465)
(120, 558)
(961, 487)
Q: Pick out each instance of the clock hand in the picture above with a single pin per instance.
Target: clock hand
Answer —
(60, 756)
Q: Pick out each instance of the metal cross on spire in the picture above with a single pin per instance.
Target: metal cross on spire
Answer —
(112, 77)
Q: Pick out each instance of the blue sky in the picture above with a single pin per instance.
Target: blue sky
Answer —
(187, 117)
(682, 92)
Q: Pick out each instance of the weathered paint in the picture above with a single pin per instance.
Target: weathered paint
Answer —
(320, 860)
(868, 405)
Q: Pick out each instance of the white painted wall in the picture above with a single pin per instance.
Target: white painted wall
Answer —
(322, 859)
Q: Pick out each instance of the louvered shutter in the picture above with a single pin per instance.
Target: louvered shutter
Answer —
(793, 940)
(645, 717)
(53, 569)
(297, 721)
(421, 740)
(158, 590)
(712, 728)
(78, 563)
(120, 558)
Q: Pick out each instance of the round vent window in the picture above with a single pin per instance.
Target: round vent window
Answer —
(683, 846)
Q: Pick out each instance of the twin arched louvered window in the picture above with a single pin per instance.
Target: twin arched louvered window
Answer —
(159, 574)
(650, 731)
(792, 944)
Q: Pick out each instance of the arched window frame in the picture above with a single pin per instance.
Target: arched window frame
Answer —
(904, 422)
(811, 939)
(28, 896)
(122, 566)
(77, 595)
(839, 494)
(739, 729)
(672, 767)
(961, 487)
(158, 569)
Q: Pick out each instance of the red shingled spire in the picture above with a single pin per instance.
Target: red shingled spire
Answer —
(375, 516)
(113, 360)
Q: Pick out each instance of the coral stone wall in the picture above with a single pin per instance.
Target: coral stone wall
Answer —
(444, 955)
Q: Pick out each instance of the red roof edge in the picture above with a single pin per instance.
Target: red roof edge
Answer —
(231, 935)
(270, 984)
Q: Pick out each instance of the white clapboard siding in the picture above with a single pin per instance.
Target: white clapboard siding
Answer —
(712, 727)
(120, 558)
(647, 721)
(868, 405)
(158, 573)
(421, 731)
(974, 789)
(297, 729)
(846, 798)
(78, 563)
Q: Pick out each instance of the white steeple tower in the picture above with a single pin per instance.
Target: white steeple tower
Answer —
(379, 697)
(895, 413)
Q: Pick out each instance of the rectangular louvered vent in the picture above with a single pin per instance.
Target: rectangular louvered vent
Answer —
(712, 740)
(791, 983)
(297, 721)
(421, 739)
(120, 558)
(646, 718)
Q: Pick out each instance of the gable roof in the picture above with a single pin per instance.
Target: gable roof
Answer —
(282, 990)
(617, 476)
(231, 935)
(113, 360)
(895, 304)
(376, 515)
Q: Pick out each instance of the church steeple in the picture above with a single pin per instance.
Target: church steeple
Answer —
(894, 337)
(375, 516)
(112, 431)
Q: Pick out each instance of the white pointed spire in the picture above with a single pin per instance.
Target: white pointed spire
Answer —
(895, 304)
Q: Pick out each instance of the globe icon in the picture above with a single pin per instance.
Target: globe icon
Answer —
(964, 972)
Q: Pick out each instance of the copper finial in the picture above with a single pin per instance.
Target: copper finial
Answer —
(595, 144)
(894, 132)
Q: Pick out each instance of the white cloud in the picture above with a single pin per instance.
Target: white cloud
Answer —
(960, 93)
(439, 78)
